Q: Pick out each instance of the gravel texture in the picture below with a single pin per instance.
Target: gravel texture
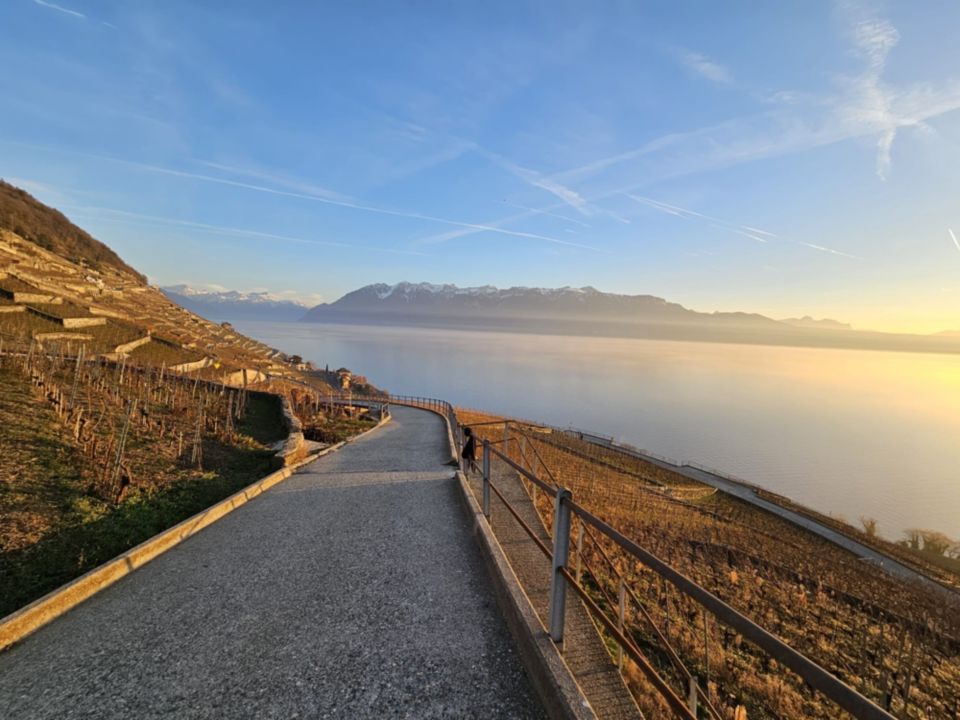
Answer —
(354, 589)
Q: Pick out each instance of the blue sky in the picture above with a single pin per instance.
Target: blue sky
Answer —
(786, 158)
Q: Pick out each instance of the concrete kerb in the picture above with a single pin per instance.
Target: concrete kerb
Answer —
(561, 696)
(21, 623)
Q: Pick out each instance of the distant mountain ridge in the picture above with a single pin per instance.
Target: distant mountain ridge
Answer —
(230, 305)
(824, 324)
(587, 311)
(566, 303)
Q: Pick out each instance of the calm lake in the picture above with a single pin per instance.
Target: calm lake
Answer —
(849, 433)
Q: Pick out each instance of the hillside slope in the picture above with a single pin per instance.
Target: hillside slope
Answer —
(23, 214)
(122, 413)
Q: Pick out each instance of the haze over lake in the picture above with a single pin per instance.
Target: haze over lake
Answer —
(844, 431)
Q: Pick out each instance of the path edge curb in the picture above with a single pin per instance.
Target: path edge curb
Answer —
(557, 689)
(30, 618)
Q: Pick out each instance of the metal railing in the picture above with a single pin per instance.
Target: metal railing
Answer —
(611, 443)
(441, 407)
(565, 509)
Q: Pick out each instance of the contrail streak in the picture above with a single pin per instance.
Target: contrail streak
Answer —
(471, 227)
(125, 216)
(954, 238)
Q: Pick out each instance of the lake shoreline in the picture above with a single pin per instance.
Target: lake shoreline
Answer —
(788, 336)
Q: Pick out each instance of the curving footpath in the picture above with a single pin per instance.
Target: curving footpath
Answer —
(353, 589)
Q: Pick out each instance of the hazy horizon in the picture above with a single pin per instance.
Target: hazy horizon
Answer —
(216, 289)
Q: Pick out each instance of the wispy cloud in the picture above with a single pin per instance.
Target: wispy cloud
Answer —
(954, 238)
(821, 248)
(553, 186)
(863, 105)
(104, 213)
(747, 231)
(757, 231)
(478, 227)
(540, 211)
(497, 227)
(872, 101)
(473, 227)
(751, 235)
(570, 197)
(277, 179)
(539, 180)
(704, 66)
(59, 8)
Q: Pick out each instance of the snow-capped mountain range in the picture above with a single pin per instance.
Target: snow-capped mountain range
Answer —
(220, 305)
(449, 304)
(587, 312)
(583, 311)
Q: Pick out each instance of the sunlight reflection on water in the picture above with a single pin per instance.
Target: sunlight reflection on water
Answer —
(847, 432)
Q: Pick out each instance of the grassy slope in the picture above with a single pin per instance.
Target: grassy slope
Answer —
(53, 529)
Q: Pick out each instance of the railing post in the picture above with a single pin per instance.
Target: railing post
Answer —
(621, 614)
(579, 549)
(561, 549)
(486, 479)
(692, 695)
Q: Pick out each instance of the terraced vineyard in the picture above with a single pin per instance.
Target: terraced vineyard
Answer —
(110, 454)
(107, 437)
(897, 643)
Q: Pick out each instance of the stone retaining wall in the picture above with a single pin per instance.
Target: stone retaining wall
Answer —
(190, 366)
(293, 449)
(40, 337)
(97, 310)
(32, 297)
(244, 377)
(81, 322)
(132, 345)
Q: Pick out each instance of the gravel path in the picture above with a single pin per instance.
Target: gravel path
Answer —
(353, 589)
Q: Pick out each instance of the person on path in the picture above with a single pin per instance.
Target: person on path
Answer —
(469, 452)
